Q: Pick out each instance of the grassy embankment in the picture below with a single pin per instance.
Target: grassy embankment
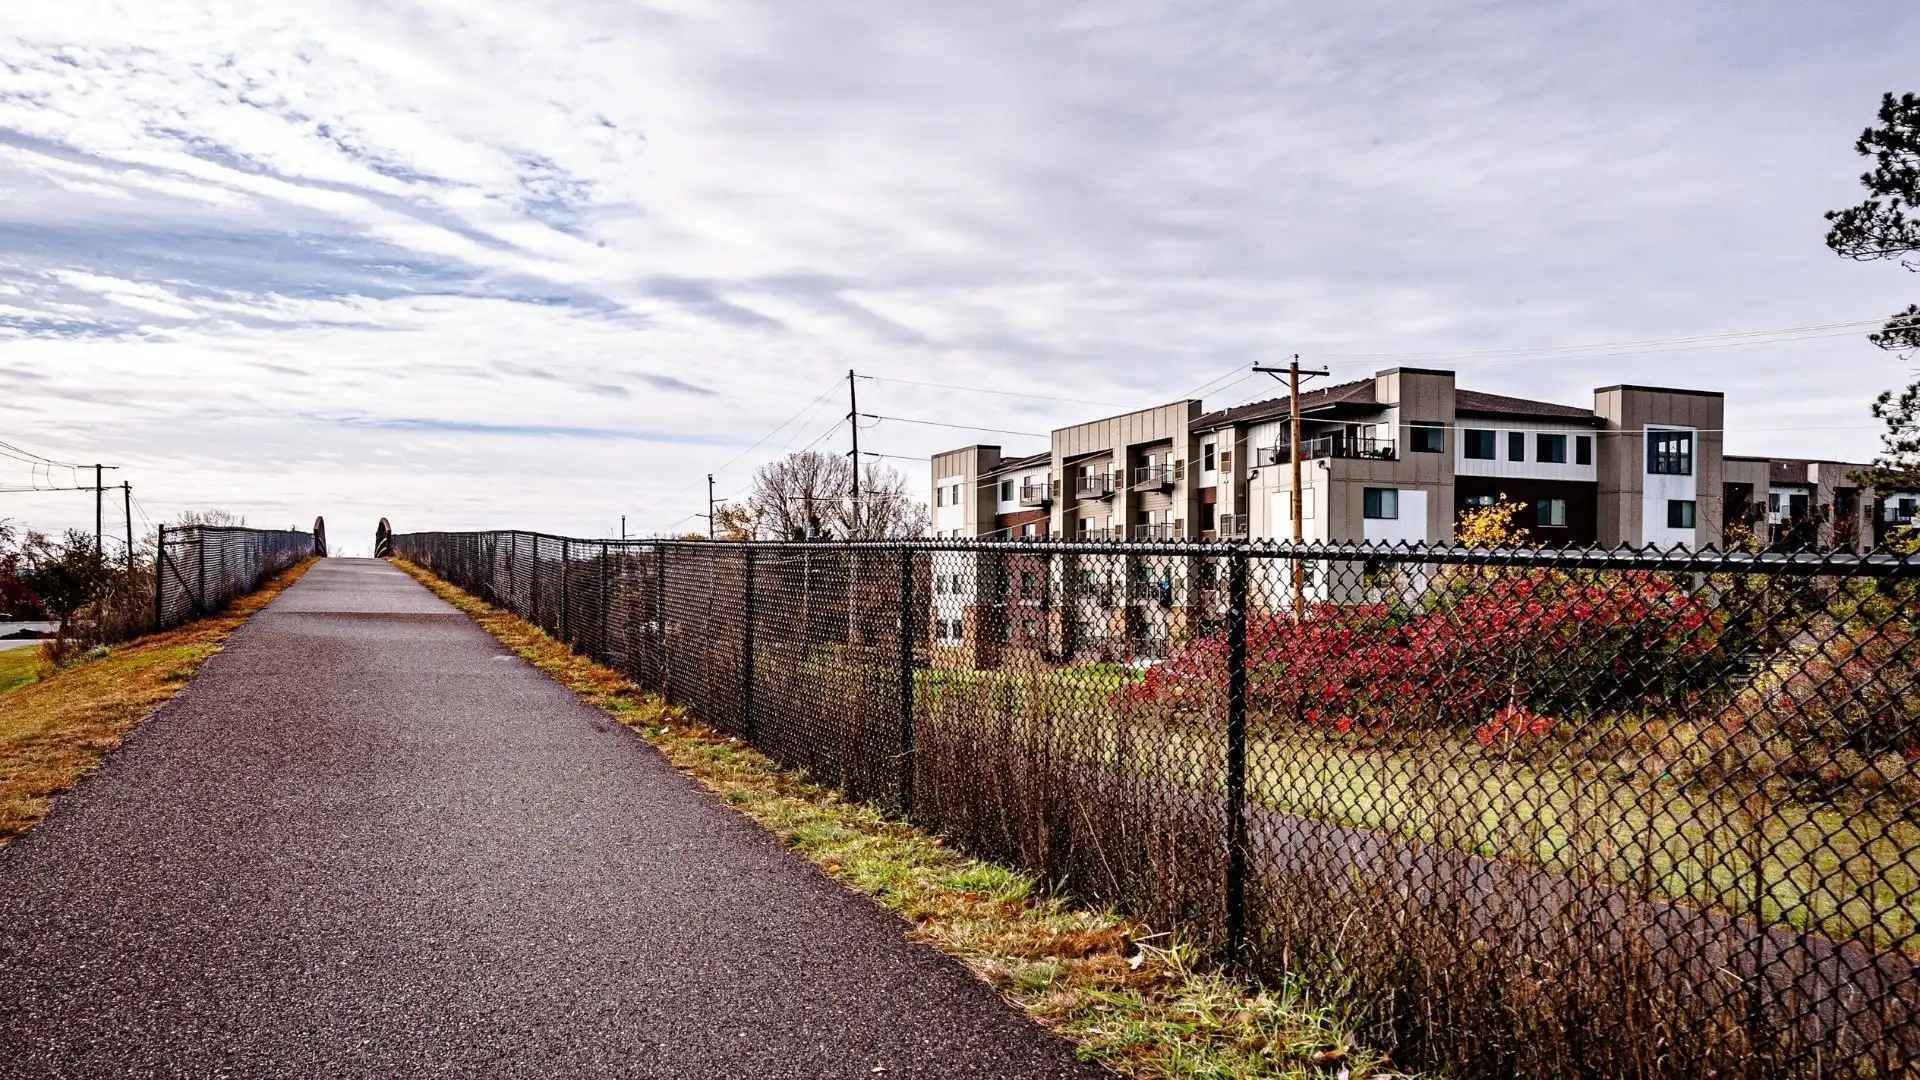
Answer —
(57, 723)
(1131, 999)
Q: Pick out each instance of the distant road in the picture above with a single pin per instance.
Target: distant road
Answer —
(366, 841)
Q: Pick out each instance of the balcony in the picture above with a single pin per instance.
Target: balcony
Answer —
(1360, 448)
(1232, 527)
(1156, 477)
(1032, 495)
(1094, 534)
(1162, 530)
(1093, 486)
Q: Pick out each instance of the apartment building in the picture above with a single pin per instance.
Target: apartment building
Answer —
(1813, 504)
(1394, 458)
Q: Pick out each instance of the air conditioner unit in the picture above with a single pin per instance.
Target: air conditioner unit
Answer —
(1179, 528)
(1226, 461)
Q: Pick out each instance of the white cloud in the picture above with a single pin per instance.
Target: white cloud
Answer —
(362, 255)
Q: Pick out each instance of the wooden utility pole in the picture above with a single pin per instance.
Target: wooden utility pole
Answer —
(1294, 450)
(1299, 526)
(710, 530)
(99, 511)
(853, 425)
(126, 492)
(623, 528)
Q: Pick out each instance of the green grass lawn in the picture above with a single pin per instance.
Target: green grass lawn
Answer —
(1845, 868)
(18, 667)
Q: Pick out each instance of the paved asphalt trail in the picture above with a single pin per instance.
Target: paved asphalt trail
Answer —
(366, 841)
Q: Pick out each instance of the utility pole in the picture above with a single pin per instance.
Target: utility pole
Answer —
(710, 518)
(853, 425)
(126, 492)
(99, 511)
(1294, 451)
(623, 528)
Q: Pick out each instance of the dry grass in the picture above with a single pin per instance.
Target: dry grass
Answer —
(18, 667)
(1131, 999)
(55, 729)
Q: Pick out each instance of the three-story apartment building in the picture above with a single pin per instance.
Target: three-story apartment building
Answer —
(1394, 458)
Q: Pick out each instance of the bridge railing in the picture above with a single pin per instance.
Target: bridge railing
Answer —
(1543, 813)
(200, 569)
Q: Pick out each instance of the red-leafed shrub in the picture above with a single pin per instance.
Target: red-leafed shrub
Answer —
(1526, 646)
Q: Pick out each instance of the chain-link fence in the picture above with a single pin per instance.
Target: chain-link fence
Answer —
(1572, 813)
(200, 569)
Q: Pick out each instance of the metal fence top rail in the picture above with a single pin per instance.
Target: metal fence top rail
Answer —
(237, 529)
(1877, 564)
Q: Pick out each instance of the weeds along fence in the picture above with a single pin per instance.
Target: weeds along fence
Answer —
(200, 569)
(1570, 813)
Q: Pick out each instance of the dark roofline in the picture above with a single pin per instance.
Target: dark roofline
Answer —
(1660, 390)
(1014, 464)
(1416, 371)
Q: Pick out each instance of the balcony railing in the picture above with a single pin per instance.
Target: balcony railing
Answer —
(1156, 477)
(1094, 486)
(1362, 448)
(1035, 494)
(1232, 527)
(1158, 531)
(1094, 534)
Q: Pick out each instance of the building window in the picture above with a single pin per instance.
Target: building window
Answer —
(1550, 513)
(1428, 438)
(940, 495)
(1551, 449)
(1476, 502)
(1381, 504)
(1208, 517)
(1516, 446)
(1006, 491)
(1670, 453)
(1026, 531)
(1479, 444)
(1679, 513)
(1029, 581)
(1207, 461)
(1583, 450)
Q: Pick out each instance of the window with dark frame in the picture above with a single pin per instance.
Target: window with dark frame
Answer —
(1381, 504)
(1516, 446)
(1550, 513)
(1006, 491)
(1679, 513)
(1478, 444)
(1428, 437)
(1583, 450)
(1551, 449)
(1670, 453)
(1207, 460)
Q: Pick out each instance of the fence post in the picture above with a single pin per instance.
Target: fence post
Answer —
(746, 651)
(660, 619)
(566, 557)
(200, 553)
(1236, 884)
(533, 587)
(906, 683)
(606, 650)
(160, 580)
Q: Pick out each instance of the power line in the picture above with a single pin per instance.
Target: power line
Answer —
(1001, 393)
(962, 427)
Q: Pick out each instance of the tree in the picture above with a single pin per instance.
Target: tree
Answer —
(798, 497)
(885, 511)
(1886, 225)
(16, 593)
(217, 518)
(735, 521)
(66, 575)
(809, 495)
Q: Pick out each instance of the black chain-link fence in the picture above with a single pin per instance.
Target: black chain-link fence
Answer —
(1572, 813)
(200, 569)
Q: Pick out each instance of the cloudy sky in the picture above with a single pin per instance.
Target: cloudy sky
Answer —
(545, 263)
